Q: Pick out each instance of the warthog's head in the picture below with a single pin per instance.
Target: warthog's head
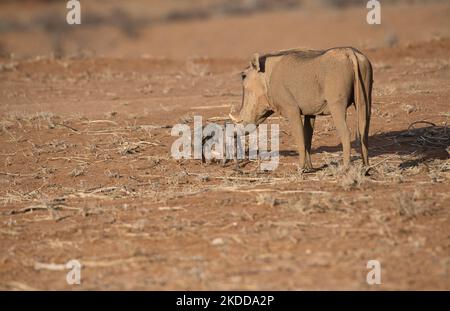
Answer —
(255, 107)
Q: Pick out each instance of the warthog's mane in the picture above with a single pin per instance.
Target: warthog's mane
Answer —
(298, 52)
(302, 53)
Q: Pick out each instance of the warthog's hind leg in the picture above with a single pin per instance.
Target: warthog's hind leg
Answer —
(339, 114)
(363, 124)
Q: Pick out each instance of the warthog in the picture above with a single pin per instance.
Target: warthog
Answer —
(309, 83)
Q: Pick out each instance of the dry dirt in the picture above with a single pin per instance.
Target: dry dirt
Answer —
(86, 171)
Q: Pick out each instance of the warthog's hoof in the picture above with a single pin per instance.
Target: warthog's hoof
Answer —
(308, 170)
(306, 167)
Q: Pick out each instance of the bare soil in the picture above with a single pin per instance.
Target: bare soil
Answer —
(86, 171)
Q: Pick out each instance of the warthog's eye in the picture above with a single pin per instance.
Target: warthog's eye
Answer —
(243, 76)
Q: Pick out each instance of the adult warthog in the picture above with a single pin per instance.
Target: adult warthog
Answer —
(309, 83)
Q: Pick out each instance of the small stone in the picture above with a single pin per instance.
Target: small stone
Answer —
(218, 242)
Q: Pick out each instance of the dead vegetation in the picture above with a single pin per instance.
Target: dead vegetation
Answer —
(82, 150)
(103, 188)
(410, 205)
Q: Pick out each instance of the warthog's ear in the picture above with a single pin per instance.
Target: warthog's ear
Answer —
(255, 62)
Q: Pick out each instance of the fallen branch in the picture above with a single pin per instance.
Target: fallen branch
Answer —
(69, 127)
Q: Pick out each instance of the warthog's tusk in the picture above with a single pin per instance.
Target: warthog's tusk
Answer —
(233, 118)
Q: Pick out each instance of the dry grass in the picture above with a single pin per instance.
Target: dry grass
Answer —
(267, 199)
(411, 205)
(349, 178)
(78, 171)
(86, 187)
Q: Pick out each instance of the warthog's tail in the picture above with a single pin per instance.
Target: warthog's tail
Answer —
(362, 99)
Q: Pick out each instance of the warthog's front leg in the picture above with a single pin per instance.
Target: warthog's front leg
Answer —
(297, 129)
(309, 129)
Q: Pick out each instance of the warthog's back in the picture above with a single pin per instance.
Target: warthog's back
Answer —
(311, 79)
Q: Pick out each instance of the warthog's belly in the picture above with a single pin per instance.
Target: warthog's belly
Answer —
(320, 108)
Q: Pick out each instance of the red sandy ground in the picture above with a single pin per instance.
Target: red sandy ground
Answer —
(86, 171)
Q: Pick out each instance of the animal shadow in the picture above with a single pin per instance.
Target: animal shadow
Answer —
(428, 143)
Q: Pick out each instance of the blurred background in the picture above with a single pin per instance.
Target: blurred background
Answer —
(210, 28)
